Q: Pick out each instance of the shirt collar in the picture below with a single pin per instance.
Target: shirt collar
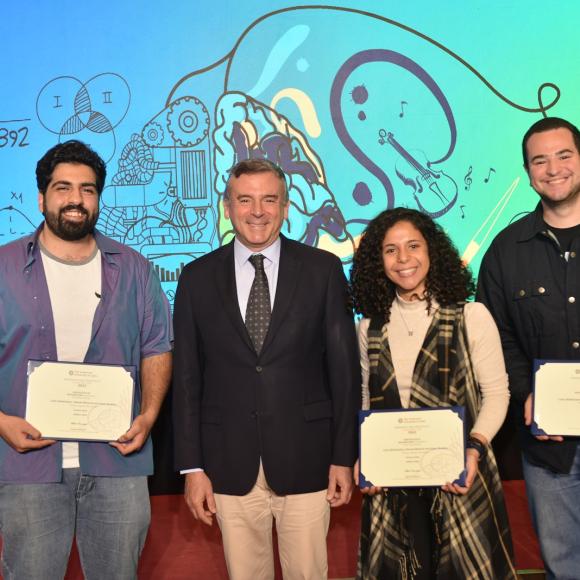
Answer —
(107, 245)
(534, 224)
(32, 247)
(242, 253)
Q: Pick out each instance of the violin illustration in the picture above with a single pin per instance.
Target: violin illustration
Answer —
(435, 192)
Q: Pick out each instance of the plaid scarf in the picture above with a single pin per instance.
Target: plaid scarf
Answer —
(471, 534)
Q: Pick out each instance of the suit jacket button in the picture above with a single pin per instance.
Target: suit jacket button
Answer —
(258, 369)
(254, 414)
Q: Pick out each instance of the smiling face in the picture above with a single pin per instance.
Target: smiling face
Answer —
(406, 259)
(554, 166)
(257, 208)
(70, 204)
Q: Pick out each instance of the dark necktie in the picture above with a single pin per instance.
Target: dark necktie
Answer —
(258, 309)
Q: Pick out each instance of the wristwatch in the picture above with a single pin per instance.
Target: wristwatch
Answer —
(474, 443)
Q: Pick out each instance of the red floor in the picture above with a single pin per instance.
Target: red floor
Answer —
(178, 547)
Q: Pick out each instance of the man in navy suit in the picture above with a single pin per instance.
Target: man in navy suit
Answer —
(266, 385)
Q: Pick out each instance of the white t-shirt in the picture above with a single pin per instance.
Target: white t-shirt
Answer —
(75, 292)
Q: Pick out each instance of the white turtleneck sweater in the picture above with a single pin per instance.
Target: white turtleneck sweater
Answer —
(407, 328)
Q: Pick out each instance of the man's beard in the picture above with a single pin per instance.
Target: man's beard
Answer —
(68, 230)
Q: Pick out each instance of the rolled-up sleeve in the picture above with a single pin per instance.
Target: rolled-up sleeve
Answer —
(156, 329)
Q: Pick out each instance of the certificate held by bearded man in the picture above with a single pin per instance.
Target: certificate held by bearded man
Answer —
(78, 401)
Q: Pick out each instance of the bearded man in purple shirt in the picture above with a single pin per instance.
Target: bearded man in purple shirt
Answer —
(68, 293)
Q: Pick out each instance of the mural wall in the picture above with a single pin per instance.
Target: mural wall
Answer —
(365, 105)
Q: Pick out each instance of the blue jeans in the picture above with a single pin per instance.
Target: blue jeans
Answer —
(554, 501)
(109, 515)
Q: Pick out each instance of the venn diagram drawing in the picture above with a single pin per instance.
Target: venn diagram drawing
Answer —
(88, 111)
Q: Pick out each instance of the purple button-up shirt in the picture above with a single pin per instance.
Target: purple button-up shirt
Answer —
(132, 322)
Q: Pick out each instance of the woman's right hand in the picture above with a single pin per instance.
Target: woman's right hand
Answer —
(372, 490)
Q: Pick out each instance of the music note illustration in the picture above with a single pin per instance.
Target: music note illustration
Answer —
(467, 179)
(491, 170)
(462, 212)
(402, 113)
(440, 193)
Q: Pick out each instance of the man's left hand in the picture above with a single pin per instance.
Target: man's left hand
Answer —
(135, 437)
(528, 405)
(339, 485)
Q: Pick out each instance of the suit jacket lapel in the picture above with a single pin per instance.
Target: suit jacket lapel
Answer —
(225, 276)
(288, 271)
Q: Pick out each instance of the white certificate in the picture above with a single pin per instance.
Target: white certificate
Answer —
(412, 447)
(77, 401)
(556, 398)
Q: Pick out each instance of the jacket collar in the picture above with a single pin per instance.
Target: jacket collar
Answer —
(288, 271)
(533, 225)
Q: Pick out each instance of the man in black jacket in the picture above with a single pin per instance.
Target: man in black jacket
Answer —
(530, 281)
(266, 385)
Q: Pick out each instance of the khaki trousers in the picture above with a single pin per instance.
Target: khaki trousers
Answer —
(302, 522)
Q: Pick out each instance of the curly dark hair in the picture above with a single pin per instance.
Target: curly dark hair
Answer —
(372, 293)
(72, 151)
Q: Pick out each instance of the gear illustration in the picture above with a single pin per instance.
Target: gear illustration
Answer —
(153, 134)
(188, 121)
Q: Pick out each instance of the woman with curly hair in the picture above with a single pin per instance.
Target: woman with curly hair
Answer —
(423, 345)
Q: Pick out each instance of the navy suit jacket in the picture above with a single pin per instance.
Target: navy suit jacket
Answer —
(295, 404)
